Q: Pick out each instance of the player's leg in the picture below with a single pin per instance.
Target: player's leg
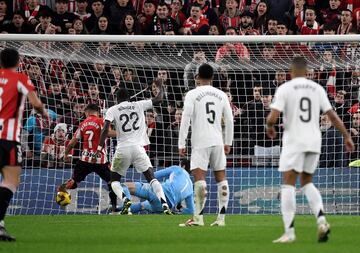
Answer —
(290, 166)
(142, 164)
(198, 166)
(218, 163)
(120, 163)
(102, 170)
(81, 170)
(10, 168)
(11, 180)
(313, 196)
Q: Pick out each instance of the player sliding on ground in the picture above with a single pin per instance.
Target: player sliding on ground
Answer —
(177, 188)
(301, 100)
(205, 107)
(131, 138)
(89, 132)
(14, 88)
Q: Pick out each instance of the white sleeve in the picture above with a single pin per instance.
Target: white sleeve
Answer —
(145, 104)
(324, 101)
(229, 122)
(278, 103)
(185, 120)
(110, 115)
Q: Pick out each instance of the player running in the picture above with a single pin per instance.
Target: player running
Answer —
(177, 188)
(205, 107)
(14, 88)
(301, 100)
(131, 138)
(89, 132)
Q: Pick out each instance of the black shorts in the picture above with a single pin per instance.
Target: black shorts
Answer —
(10, 153)
(82, 169)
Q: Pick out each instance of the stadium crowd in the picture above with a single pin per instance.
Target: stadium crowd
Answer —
(66, 86)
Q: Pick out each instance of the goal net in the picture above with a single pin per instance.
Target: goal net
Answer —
(72, 71)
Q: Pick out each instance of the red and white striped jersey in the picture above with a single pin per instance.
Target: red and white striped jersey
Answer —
(14, 88)
(53, 148)
(89, 132)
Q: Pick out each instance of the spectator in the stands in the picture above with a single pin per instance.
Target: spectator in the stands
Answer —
(351, 50)
(341, 106)
(271, 26)
(331, 15)
(172, 134)
(54, 98)
(93, 96)
(75, 116)
(18, 24)
(81, 10)
(33, 70)
(32, 9)
(162, 22)
(280, 78)
(232, 51)
(155, 134)
(196, 24)
(53, 148)
(310, 26)
(268, 52)
(97, 7)
(117, 11)
(247, 23)
(299, 14)
(147, 15)
(332, 145)
(310, 74)
(5, 15)
(131, 82)
(100, 74)
(345, 25)
(130, 25)
(78, 27)
(176, 12)
(62, 19)
(102, 26)
(261, 17)
(207, 11)
(231, 16)
(214, 30)
(45, 26)
(355, 135)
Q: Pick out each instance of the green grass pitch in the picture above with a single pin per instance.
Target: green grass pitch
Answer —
(159, 233)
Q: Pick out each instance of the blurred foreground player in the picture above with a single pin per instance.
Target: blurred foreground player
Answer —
(14, 88)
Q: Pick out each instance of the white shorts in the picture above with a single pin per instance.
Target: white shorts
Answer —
(299, 161)
(125, 156)
(201, 157)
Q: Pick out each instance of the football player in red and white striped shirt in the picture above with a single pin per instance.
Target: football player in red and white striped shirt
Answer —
(89, 133)
(14, 88)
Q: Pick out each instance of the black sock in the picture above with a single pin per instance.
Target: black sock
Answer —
(113, 198)
(5, 198)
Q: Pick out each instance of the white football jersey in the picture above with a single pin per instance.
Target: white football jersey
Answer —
(130, 122)
(206, 107)
(301, 100)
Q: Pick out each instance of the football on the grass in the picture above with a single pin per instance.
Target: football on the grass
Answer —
(63, 198)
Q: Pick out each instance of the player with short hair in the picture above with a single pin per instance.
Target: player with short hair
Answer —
(131, 138)
(206, 108)
(89, 132)
(301, 100)
(177, 188)
(14, 88)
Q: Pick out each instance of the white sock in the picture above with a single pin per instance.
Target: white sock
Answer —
(200, 195)
(158, 190)
(315, 202)
(117, 188)
(288, 207)
(223, 198)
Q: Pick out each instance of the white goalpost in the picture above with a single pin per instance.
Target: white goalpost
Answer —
(70, 71)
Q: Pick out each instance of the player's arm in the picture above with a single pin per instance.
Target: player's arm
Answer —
(185, 124)
(163, 174)
(37, 104)
(69, 147)
(229, 126)
(111, 133)
(271, 120)
(338, 124)
(103, 135)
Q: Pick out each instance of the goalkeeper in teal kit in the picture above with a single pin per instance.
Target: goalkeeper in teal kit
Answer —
(177, 187)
